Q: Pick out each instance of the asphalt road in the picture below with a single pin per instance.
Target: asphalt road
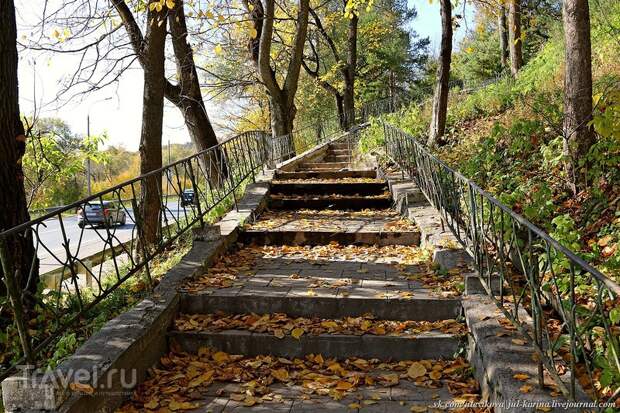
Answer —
(87, 241)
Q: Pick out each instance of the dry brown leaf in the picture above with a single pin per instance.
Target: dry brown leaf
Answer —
(416, 370)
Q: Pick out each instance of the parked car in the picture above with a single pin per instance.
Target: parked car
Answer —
(188, 197)
(101, 213)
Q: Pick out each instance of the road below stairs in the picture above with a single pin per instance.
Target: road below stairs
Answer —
(326, 304)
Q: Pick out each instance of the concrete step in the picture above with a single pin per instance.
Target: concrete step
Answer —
(337, 158)
(324, 165)
(340, 146)
(421, 307)
(318, 237)
(352, 203)
(370, 188)
(336, 152)
(368, 173)
(429, 345)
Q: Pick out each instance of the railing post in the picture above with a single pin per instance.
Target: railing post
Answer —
(15, 297)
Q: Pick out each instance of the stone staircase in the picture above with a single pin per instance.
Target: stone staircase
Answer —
(336, 158)
(328, 278)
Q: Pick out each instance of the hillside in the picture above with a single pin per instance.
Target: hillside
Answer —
(506, 137)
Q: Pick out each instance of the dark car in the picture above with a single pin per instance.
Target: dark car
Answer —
(188, 197)
(101, 213)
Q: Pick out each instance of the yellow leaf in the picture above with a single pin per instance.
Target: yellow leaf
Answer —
(280, 374)
(526, 388)
(253, 33)
(518, 341)
(220, 357)
(521, 376)
(354, 406)
(435, 375)
(218, 49)
(344, 385)
(329, 324)
(174, 405)
(209, 14)
(416, 370)
(297, 333)
(170, 4)
(152, 405)
(152, 6)
(278, 333)
(249, 401)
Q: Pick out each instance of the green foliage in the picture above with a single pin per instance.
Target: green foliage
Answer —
(54, 163)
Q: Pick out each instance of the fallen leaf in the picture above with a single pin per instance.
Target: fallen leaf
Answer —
(82, 388)
(280, 374)
(297, 333)
(521, 376)
(416, 370)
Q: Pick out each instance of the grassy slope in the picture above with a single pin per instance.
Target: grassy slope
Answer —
(506, 137)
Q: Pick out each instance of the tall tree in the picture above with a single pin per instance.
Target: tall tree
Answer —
(281, 98)
(440, 98)
(152, 122)
(514, 36)
(578, 134)
(502, 29)
(186, 95)
(345, 100)
(19, 266)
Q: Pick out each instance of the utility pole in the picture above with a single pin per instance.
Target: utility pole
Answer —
(88, 166)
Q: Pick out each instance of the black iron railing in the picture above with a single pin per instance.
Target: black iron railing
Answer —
(86, 250)
(574, 308)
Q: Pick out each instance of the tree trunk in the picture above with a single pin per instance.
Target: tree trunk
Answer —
(282, 99)
(578, 135)
(514, 36)
(349, 73)
(152, 122)
(190, 101)
(282, 118)
(341, 112)
(186, 96)
(440, 99)
(502, 29)
(13, 206)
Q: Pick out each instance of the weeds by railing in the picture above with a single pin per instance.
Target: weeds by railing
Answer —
(574, 308)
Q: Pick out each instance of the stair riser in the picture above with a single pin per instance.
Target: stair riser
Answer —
(337, 158)
(326, 175)
(340, 146)
(324, 238)
(339, 204)
(334, 165)
(330, 188)
(438, 346)
(324, 307)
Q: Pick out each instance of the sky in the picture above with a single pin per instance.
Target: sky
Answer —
(117, 109)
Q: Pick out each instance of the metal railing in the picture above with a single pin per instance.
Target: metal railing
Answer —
(574, 308)
(62, 244)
